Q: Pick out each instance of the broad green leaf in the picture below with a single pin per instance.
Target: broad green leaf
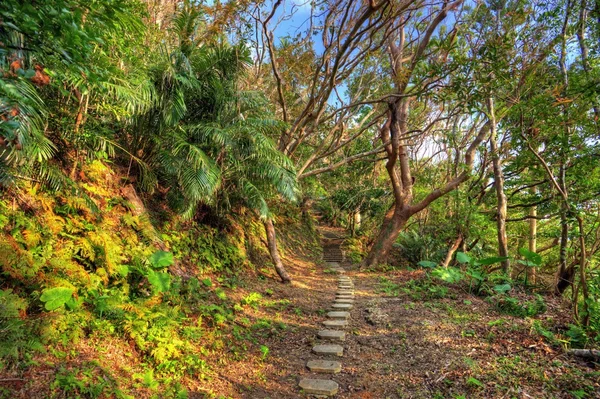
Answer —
(55, 298)
(427, 263)
(462, 257)
(207, 282)
(502, 288)
(491, 260)
(161, 259)
(475, 274)
(161, 281)
(531, 256)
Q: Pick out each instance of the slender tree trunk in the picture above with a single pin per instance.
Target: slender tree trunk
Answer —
(79, 121)
(499, 184)
(532, 239)
(452, 250)
(272, 245)
(585, 320)
(565, 273)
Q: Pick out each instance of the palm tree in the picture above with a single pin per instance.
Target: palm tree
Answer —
(208, 140)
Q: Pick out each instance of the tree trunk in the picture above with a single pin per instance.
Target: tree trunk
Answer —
(390, 230)
(585, 320)
(531, 273)
(501, 197)
(565, 274)
(452, 250)
(272, 245)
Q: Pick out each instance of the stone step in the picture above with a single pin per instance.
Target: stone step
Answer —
(334, 335)
(324, 366)
(319, 387)
(328, 349)
(345, 296)
(346, 286)
(342, 306)
(338, 315)
(335, 323)
(344, 292)
(344, 300)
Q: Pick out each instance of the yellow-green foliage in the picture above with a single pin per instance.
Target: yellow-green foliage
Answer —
(55, 242)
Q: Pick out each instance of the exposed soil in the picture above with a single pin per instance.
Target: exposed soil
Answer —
(418, 347)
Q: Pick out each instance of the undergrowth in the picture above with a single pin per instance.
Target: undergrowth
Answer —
(74, 280)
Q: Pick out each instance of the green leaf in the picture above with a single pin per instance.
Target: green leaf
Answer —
(207, 282)
(462, 257)
(502, 288)
(531, 256)
(450, 275)
(474, 382)
(161, 281)
(161, 259)
(427, 263)
(476, 274)
(492, 260)
(221, 294)
(56, 297)
(73, 303)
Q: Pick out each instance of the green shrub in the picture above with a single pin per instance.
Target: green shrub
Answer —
(510, 305)
(17, 340)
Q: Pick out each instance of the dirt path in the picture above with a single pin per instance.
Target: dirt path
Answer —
(409, 338)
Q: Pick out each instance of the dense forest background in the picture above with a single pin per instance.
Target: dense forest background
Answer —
(153, 154)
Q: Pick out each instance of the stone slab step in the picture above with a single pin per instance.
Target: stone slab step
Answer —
(324, 366)
(344, 300)
(342, 306)
(344, 292)
(346, 286)
(344, 296)
(335, 323)
(336, 350)
(334, 335)
(338, 315)
(319, 387)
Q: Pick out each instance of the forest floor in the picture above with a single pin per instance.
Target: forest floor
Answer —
(425, 342)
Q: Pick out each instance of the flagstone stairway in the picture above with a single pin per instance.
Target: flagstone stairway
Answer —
(328, 353)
